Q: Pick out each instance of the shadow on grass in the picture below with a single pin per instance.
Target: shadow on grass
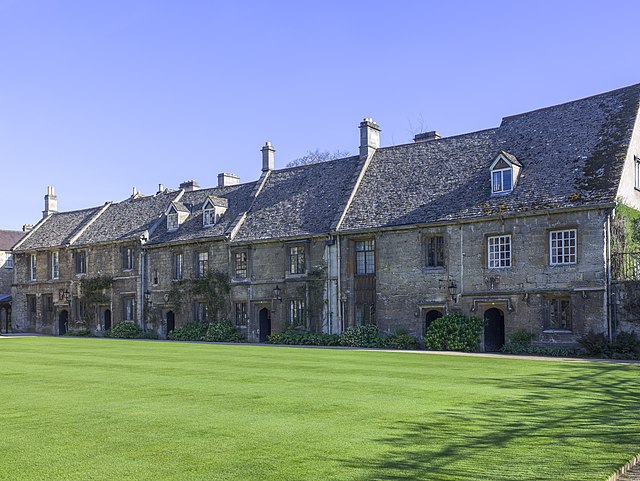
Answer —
(563, 424)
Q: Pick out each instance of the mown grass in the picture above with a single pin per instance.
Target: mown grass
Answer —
(100, 409)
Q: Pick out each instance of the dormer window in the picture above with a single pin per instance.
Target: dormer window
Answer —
(505, 170)
(176, 214)
(213, 209)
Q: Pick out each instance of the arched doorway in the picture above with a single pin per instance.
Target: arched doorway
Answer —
(265, 324)
(107, 319)
(431, 316)
(171, 322)
(493, 330)
(62, 322)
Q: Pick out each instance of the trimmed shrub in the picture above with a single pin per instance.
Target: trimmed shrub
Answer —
(519, 342)
(293, 337)
(403, 341)
(367, 335)
(124, 330)
(454, 332)
(78, 332)
(192, 331)
(595, 345)
(223, 331)
(626, 345)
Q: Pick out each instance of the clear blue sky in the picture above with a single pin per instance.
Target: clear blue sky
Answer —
(99, 96)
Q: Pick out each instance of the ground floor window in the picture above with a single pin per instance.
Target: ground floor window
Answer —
(365, 314)
(296, 312)
(128, 309)
(201, 312)
(559, 314)
(241, 317)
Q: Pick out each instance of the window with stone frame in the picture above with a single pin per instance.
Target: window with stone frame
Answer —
(208, 215)
(201, 311)
(33, 267)
(296, 313)
(365, 257)
(81, 262)
(499, 251)
(365, 314)
(240, 311)
(296, 259)
(155, 277)
(54, 265)
(202, 264)
(79, 309)
(434, 251)
(240, 265)
(127, 258)
(128, 308)
(31, 308)
(172, 220)
(178, 263)
(8, 263)
(563, 247)
(559, 316)
(47, 308)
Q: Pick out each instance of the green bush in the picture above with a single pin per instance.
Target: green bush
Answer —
(192, 331)
(78, 332)
(454, 332)
(124, 330)
(402, 341)
(367, 335)
(626, 344)
(223, 331)
(292, 336)
(519, 342)
(595, 345)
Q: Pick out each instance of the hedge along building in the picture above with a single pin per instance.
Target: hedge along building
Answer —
(511, 223)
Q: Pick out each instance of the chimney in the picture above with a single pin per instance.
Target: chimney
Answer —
(27, 228)
(190, 185)
(227, 179)
(160, 188)
(426, 136)
(369, 138)
(50, 202)
(268, 157)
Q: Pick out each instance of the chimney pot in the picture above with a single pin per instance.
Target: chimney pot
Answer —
(160, 188)
(190, 186)
(50, 202)
(369, 137)
(225, 179)
(268, 157)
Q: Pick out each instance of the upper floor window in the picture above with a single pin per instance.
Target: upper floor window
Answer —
(208, 216)
(81, 262)
(365, 257)
(9, 262)
(637, 172)
(296, 260)
(177, 266)
(55, 265)
(213, 209)
(172, 221)
(563, 247)
(241, 265)
(127, 258)
(499, 251)
(434, 251)
(33, 271)
(203, 264)
(505, 170)
(155, 277)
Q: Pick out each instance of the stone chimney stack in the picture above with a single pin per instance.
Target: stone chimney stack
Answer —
(190, 186)
(160, 188)
(50, 202)
(369, 138)
(426, 137)
(268, 157)
(227, 179)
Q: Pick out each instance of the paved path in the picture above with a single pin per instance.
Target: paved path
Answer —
(632, 475)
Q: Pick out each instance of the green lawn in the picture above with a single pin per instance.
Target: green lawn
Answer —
(101, 409)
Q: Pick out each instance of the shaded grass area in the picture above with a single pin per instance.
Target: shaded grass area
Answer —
(83, 409)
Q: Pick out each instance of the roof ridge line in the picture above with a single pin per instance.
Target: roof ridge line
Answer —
(354, 190)
(35, 227)
(90, 222)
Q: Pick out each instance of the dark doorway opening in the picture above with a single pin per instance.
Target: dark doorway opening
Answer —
(431, 316)
(171, 322)
(265, 324)
(63, 321)
(493, 330)
(107, 320)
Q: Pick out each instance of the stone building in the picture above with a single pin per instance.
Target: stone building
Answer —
(8, 239)
(516, 224)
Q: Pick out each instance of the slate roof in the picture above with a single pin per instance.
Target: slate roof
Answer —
(571, 154)
(128, 219)
(301, 201)
(57, 230)
(8, 238)
(239, 199)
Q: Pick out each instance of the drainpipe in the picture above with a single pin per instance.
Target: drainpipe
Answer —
(459, 297)
(609, 306)
(340, 317)
(142, 287)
